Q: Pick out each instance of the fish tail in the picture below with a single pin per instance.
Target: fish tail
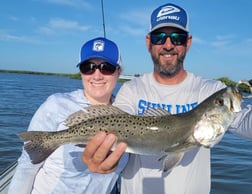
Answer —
(36, 146)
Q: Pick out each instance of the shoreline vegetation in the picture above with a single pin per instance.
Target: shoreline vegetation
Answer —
(71, 76)
(226, 80)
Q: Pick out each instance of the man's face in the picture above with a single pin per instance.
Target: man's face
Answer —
(168, 57)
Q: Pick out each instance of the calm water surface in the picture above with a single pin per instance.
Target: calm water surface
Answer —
(21, 95)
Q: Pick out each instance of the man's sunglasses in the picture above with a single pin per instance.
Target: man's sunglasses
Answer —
(159, 38)
(105, 68)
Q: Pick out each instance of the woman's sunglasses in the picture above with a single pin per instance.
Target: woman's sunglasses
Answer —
(159, 38)
(105, 68)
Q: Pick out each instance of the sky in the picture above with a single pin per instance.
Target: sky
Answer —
(46, 35)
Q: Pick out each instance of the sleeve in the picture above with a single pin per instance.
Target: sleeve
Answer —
(125, 98)
(242, 124)
(24, 177)
(43, 120)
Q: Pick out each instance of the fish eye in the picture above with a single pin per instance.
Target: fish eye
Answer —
(219, 101)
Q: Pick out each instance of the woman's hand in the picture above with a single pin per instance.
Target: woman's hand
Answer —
(98, 156)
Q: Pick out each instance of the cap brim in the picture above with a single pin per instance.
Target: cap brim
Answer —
(98, 57)
(169, 25)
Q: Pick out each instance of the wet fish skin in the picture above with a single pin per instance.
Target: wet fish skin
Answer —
(157, 133)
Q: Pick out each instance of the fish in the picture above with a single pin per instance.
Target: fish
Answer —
(157, 133)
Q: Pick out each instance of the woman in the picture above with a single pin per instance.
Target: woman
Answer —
(63, 171)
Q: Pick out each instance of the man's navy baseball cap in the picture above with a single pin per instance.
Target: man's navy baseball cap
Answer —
(169, 15)
(101, 48)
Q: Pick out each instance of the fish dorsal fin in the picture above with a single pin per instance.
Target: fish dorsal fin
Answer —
(92, 112)
(156, 112)
(77, 117)
(104, 110)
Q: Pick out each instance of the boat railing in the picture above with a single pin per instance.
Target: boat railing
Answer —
(5, 177)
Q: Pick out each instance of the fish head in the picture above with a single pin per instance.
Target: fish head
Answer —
(214, 122)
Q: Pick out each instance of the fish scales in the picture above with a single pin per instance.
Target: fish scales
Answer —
(134, 130)
(156, 133)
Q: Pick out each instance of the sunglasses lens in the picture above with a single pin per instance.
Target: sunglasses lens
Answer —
(159, 38)
(87, 68)
(107, 68)
(178, 39)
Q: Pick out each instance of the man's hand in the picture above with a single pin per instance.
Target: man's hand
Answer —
(97, 155)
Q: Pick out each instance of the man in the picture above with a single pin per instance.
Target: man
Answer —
(172, 87)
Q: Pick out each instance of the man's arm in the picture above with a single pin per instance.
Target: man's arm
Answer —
(242, 124)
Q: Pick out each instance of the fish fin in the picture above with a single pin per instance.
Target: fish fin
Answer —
(104, 110)
(156, 112)
(93, 111)
(34, 145)
(171, 160)
(81, 145)
(77, 117)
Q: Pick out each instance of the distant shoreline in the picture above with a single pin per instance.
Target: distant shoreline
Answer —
(33, 72)
(225, 80)
(72, 76)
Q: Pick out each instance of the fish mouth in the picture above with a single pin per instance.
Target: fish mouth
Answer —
(235, 99)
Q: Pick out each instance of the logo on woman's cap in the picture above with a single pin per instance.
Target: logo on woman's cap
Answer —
(98, 45)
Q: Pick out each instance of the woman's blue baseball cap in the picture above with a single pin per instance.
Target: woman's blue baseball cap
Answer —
(101, 48)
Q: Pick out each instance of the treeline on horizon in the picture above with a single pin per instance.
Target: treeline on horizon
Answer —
(226, 80)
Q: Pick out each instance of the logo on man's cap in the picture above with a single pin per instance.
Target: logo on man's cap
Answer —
(169, 15)
(167, 10)
(98, 46)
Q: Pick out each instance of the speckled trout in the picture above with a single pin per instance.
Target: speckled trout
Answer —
(156, 133)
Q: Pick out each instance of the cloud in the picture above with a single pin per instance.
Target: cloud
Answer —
(198, 40)
(56, 24)
(223, 40)
(133, 30)
(5, 36)
(225, 37)
(249, 40)
(66, 24)
(140, 18)
(13, 18)
(71, 3)
(220, 44)
(134, 22)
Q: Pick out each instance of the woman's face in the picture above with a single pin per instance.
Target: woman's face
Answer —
(97, 86)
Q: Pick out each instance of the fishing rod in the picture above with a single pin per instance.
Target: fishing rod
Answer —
(103, 20)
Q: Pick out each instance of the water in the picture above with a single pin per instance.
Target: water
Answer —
(21, 95)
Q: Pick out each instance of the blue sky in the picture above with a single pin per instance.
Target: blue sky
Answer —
(46, 35)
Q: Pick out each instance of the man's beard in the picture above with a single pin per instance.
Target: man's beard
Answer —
(166, 70)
